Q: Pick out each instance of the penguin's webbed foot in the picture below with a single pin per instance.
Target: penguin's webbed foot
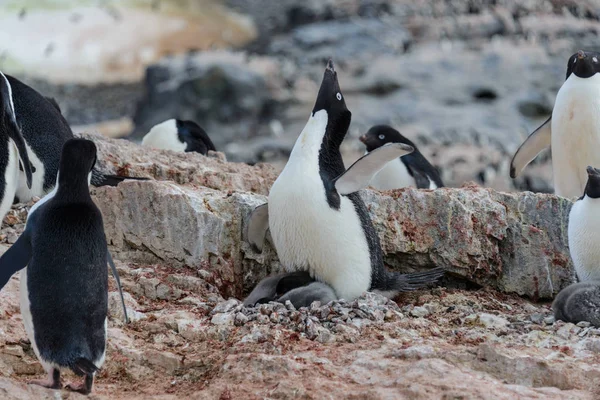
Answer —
(84, 387)
(53, 381)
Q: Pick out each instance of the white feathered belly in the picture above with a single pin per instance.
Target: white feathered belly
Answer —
(309, 235)
(575, 134)
(584, 240)
(394, 175)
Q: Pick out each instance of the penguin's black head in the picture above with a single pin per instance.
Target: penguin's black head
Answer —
(592, 188)
(331, 99)
(584, 64)
(196, 138)
(76, 162)
(379, 135)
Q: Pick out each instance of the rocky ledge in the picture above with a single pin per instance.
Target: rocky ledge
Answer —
(178, 243)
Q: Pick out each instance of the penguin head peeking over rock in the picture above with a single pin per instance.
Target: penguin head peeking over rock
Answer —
(410, 170)
(178, 135)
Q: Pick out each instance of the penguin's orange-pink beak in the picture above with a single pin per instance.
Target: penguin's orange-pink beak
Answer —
(363, 138)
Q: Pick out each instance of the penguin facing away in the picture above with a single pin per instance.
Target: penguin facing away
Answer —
(410, 170)
(64, 287)
(177, 135)
(13, 153)
(573, 130)
(45, 131)
(317, 219)
(297, 287)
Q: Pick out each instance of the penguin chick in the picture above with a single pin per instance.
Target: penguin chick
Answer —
(410, 170)
(177, 135)
(579, 302)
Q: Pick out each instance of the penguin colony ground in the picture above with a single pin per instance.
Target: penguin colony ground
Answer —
(318, 224)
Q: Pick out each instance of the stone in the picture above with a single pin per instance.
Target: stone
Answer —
(492, 321)
(223, 319)
(419, 312)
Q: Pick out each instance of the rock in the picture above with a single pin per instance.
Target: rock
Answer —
(227, 94)
(419, 312)
(343, 41)
(492, 321)
(549, 320)
(223, 319)
(226, 306)
(515, 242)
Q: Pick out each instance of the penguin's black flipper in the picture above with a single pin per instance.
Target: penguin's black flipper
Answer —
(9, 121)
(15, 258)
(304, 296)
(531, 147)
(360, 173)
(116, 275)
(256, 228)
(196, 137)
(99, 179)
(422, 170)
(409, 282)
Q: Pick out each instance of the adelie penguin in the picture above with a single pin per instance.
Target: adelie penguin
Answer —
(573, 130)
(177, 135)
(44, 129)
(63, 256)
(410, 170)
(317, 219)
(581, 301)
(13, 152)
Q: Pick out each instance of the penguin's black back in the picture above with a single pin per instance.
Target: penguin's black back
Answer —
(196, 138)
(67, 276)
(67, 281)
(43, 126)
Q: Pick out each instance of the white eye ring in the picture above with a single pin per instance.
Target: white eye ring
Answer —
(339, 96)
(381, 137)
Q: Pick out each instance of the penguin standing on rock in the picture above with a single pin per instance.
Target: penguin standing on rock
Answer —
(317, 219)
(64, 283)
(410, 170)
(177, 135)
(573, 130)
(581, 301)
(45, 131)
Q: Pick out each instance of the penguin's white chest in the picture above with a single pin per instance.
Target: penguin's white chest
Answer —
(575, 134)
(164, 136)
(308, 234)
(11, 176)
(394, 175)
(584, 240)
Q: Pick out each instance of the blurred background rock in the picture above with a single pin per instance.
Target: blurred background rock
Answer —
(466, 80)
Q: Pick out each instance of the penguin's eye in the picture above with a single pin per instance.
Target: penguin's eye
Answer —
(339, 96)
(381, 137)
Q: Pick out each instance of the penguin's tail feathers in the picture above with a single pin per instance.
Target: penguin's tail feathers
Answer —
(414, 281)
(83, 366)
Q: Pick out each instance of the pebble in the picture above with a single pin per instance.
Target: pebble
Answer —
(549, 320)
(584, 324)
(419, 312)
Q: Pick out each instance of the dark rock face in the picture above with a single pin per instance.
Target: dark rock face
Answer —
(227, 98)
